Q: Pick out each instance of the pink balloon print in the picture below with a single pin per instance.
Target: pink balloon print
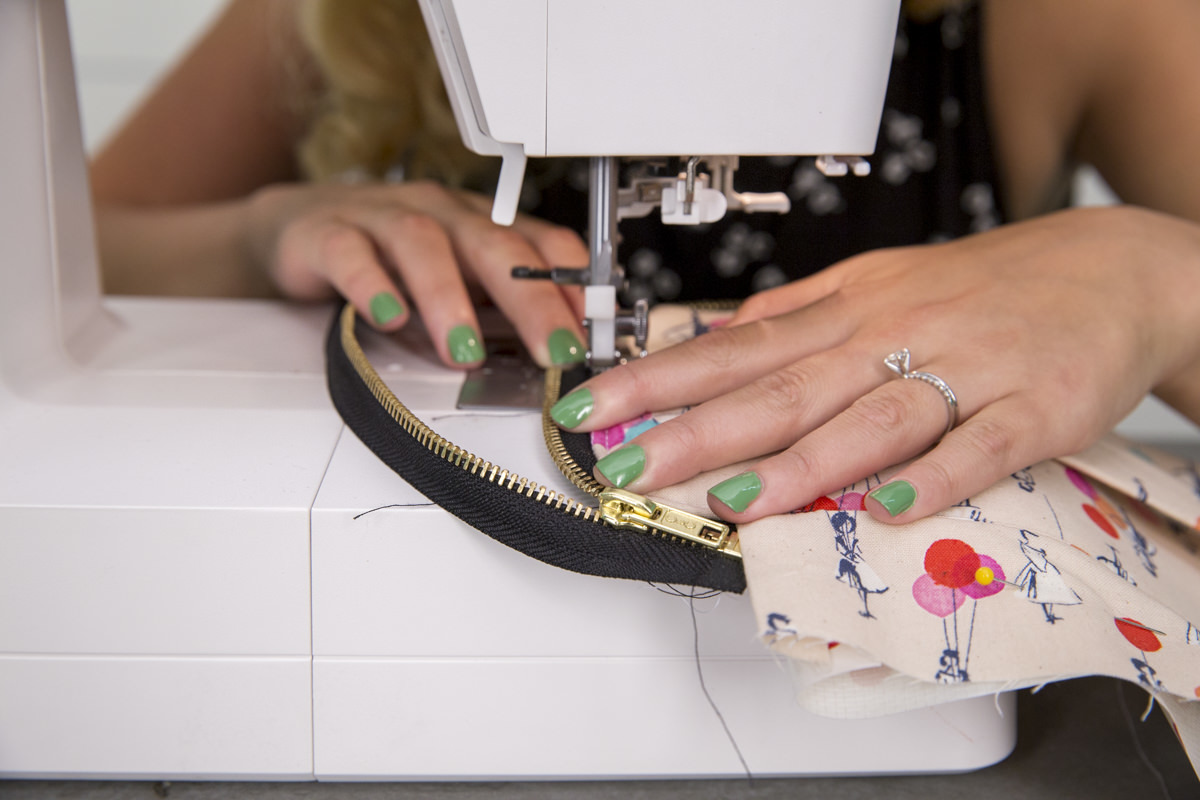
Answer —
(938, 600)
(851, 501)
(1081, 483)
(978, 590)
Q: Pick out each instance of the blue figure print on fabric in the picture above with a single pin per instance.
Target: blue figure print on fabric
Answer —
(1041, 582)
(1115, 564)
(778, 626)
(1145, 639)
(1192, 636)
(1147, 676)
(1191, 474)
(1025, 480)
(1141, 548)
(971, 511)
(952, 669)
(852, 570)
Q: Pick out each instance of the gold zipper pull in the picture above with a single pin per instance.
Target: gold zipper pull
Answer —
(631, 511)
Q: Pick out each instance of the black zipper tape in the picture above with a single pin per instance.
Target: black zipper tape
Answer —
(542, 531)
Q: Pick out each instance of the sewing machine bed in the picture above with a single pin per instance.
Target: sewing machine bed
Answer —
(204, 575)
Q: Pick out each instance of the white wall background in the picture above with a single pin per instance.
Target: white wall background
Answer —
(121, 46)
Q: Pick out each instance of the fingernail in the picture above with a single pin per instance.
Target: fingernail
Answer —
(385, 308)
(621, 467)
(464, 345)
(565, 347)
(739, 491)
(896, 497)
(573, 409)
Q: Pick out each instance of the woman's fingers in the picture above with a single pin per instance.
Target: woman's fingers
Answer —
(882, 427)
(546, 317)
(367, 242)
(558, 247)
(540, 312)
(486, 253)
(1017, 321)
(421, 253)
(789, 297)
(966, 461)
(717, 363)
(762, 417)
(335, 252)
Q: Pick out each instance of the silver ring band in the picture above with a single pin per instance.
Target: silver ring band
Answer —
(899, 362)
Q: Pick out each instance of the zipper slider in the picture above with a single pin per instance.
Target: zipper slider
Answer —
(631, 511)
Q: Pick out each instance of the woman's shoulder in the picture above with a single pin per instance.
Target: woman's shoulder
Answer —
(1073, 81)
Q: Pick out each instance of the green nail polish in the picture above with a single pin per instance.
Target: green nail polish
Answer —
(739, 491)
(573, 409)
(897, 497)
(385, 308)
(565, 347)
(464, 345)
(623, 466)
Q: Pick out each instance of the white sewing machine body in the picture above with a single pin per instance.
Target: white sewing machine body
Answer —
(194, 583)
(671, 77)
(708, 81)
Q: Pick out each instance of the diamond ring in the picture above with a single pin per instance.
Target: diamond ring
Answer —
(899, 362)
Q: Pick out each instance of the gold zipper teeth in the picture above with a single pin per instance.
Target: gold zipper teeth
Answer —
(666, 523)
(567, 465)
(714, 305)
(446, 450)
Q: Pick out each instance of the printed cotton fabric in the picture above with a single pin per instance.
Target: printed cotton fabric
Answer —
(1054, 572)
(1079, 566)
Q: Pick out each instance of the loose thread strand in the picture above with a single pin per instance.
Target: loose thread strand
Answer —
(392, 505)
(1142, 755)
(704, 688)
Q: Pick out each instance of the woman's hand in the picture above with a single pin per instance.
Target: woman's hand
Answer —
(383, 247)
(1048, 331)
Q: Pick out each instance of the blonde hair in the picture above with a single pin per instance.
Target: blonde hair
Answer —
(384, 104)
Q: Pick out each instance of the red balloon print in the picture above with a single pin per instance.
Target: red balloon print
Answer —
(952, 563)
(1138, 634)
(1098, 517)
(820, 504)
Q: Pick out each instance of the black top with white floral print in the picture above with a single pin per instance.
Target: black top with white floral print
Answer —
(932, 178)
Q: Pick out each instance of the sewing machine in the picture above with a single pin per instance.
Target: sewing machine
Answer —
(711, 81)
(203, 575)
